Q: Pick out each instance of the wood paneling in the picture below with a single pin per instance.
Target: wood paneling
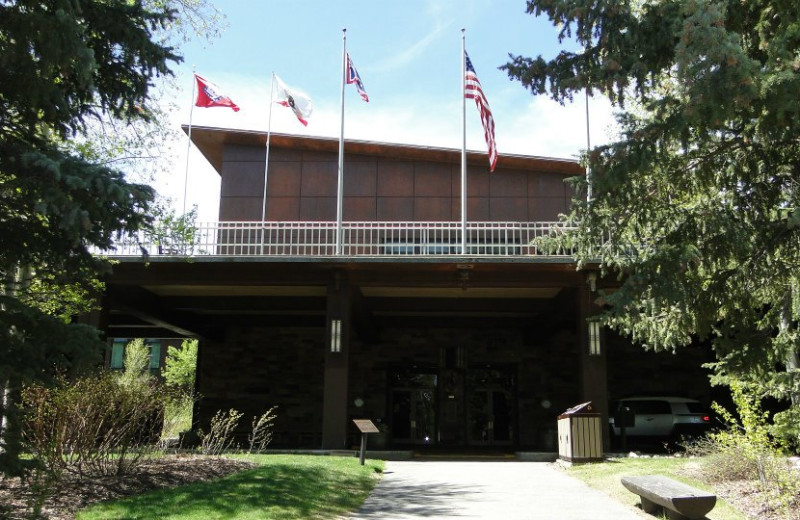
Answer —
(360, 177)
(283, 209)
(395, 208)
(432, 209)
(240, 153)
(318, 208)
(477, 209)
(284, 179)
(477, 182)
(395, 178)
(284, 155)
(508, 209)
(546, 208)
(359, 209)
(242, 179)
(303, 186)
(546, 185)
(240, 208)
(508, 184)
(319, 179)
(432, 180)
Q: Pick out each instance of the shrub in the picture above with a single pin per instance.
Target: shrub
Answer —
(91, 426)
(178, 410)
(136, 368)
(261, 431)
(220, 435)
(746, 450)
(181, 366)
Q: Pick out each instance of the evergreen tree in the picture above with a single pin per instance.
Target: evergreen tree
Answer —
(64, 64)
(698, 201)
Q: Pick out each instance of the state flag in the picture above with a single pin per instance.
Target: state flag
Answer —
(208, 95)
(295, 99)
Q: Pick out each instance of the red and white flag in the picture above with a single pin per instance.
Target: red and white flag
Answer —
(473, 90)
(208, 95)
(299, 102)
(353, 77)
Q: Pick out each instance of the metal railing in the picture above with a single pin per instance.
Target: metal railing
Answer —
(361, 239)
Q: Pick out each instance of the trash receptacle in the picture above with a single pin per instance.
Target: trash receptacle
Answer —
(580, 434)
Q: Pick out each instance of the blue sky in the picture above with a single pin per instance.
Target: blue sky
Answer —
(408, 56)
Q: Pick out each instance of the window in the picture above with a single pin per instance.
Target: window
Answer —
(654, 407)
(117, 355)
(117, 361)
(155, 354)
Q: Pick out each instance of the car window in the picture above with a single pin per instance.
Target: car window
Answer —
(649, 407)
(695, 408)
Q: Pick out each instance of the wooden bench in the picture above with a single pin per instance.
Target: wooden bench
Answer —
(680, 501)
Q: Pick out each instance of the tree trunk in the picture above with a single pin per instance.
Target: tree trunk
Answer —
(791, 353)
(10, 425)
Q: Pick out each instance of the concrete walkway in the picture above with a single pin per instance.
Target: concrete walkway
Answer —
(503, 490)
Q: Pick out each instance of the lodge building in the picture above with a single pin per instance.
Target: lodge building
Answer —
(444, 335)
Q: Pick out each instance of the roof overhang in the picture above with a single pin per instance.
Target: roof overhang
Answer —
(211, 142)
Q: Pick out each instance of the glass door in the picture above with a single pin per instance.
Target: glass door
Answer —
(413, 407)
(490, 406)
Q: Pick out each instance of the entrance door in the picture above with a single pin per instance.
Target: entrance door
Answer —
(490, 407)
(413, 407)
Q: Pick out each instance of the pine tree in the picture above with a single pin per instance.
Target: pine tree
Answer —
(698, 201)
(63, 63)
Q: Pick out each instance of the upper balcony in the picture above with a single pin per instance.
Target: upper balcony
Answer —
(353, 240)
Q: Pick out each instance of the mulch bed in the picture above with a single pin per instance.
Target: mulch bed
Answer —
(73, 494)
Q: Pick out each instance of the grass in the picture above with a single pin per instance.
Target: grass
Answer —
(606, 477)
(283, 487)
(177, 416)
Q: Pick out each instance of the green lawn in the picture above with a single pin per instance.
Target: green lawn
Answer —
(283, 487)
(606, 476)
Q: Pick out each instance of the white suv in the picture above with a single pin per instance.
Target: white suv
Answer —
(658, 417)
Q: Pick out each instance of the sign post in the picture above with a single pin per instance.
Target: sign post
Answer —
(365, 426)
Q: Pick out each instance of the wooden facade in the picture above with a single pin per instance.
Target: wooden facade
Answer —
(439, 347)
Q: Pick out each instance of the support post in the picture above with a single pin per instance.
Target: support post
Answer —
(363, 451)
(337, 347)
(594, 373)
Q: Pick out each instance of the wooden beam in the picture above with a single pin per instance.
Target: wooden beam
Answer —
(147, 307)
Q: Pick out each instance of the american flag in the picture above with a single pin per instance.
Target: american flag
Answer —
(353, 77)
(473, 90)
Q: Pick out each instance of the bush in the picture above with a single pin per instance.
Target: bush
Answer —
(261, 431)
(181, 366)
(746, 450)
(220, 435)
(91, 426)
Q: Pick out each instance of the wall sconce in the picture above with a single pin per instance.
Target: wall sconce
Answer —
(336, 335)
(594, 338)
(591, 279)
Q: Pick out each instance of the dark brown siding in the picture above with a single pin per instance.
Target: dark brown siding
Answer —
(302, 185)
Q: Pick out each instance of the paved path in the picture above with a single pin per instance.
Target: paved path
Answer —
(503, 490)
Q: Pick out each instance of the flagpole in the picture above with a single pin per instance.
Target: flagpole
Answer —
(340, 182)
(266, 162)
(463, 142)
(588, 150)
(188, 144)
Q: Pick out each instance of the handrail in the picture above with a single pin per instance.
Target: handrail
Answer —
(359, 239)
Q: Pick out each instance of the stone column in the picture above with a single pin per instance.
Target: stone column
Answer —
(337, 347)
(594, 376)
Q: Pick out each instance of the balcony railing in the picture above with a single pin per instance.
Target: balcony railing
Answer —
(359, 239)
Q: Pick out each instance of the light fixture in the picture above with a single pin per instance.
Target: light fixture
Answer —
(594, 338)
(591, 279)
(336, 335)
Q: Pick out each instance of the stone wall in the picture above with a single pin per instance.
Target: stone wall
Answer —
(256, 367)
